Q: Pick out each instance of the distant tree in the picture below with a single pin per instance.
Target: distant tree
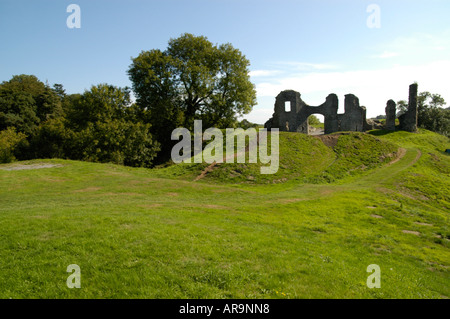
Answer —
(430, 113)
(49, 141)
(313, 120)
(59, 90)
(103, 127)
(426, 102)
(191, 79)
(437, 101)
(114, 141)
(245, 124)
(102, 102)
(99, 125)
(25, 102)
(9, 139)
(402, 106)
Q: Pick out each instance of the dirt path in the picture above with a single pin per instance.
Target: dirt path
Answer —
(317, 132)
(401, 153)
(205, 171)
(226, 159)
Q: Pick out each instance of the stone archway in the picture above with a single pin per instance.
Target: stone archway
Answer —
(314, 127)
(296, 120)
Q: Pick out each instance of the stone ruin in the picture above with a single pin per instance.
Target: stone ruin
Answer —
(408, 120)
(291, 114)
(390, 115)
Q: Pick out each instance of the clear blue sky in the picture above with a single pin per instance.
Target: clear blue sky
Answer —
(314, 47)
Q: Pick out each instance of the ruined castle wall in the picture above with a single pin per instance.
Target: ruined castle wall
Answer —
(408, 120)
(390, 115)
(354, 117)
(287, 121)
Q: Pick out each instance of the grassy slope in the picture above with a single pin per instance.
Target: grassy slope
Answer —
(302, 158)
(136, 234)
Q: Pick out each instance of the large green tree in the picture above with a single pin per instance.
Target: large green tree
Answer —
(101, 103)
(103, 127)
(431, 114)
(191, 79)
(25, 102)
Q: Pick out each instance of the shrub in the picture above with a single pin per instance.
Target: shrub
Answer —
(114, 141)
(49, 140)
(9, 140)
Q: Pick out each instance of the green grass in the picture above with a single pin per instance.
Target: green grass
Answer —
(139, 233)
(302, 158)
(318, 125)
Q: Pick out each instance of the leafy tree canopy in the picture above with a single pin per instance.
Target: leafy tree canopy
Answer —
(103, 126)
(25, 102)
(313, 120)
(191, 79)
(101, 103)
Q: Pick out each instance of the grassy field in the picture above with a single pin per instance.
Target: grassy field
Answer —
(310, 231)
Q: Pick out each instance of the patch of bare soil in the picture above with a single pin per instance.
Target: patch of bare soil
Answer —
(226, 159)
(20, 167)
(53, 180)
(151, 205)
(215, 206)
(87, 189)
(316, 131)
(329, 140)
(411, 232)
(412, 195)
(423, 224)
(172, 194)
(401, 152)
(40, 217)
(205, 171)
(292, 200)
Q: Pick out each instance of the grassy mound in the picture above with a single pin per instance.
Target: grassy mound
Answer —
(301, 157)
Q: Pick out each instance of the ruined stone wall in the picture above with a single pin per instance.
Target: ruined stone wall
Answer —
(390, 115)
(408, 120)
(330, 114)
(296, 120)
(287, 121)
(354, 118)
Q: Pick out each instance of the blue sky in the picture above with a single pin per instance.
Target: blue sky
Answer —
(314, 47)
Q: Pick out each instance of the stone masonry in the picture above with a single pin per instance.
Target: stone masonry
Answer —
(296, 119)
(408, 120)
(291, 114)
(390, 115)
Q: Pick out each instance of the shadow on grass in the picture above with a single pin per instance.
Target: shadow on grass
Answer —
(380, 132)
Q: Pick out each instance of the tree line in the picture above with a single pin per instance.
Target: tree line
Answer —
(191, 79)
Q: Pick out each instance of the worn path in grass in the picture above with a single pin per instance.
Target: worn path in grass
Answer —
(374, 179)
(388, 172)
